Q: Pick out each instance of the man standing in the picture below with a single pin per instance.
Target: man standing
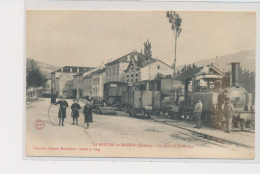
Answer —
(75, 111)
(197, 112)
(62, 111)
(228, 113)
(53, 98)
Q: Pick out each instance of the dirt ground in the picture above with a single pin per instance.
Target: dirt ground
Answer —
(116, 136)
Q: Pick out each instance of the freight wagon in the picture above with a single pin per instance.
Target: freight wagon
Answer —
(142, 102)
(113, 92)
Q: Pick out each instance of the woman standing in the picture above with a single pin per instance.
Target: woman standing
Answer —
(88, 114)
(75, 111)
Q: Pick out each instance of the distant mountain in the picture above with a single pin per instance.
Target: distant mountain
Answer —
(246, 59)
(47, 68)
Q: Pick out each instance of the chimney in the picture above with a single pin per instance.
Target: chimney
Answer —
(77, 70)
(61, 69)
(128, 58)
(235, 76)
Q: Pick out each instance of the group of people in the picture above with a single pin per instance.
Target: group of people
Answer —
(228, 110)
(75, 107)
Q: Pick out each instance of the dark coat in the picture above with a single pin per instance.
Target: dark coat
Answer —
(62, 110)
(75, 110)
(53, 98)
(88, 114)
(228, 110)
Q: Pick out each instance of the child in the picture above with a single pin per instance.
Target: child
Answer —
(75, 111)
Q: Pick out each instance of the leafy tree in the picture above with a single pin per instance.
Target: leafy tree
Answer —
(34, 76)
(247, 80)
(175, 21)
(147, 49)
(184, 68)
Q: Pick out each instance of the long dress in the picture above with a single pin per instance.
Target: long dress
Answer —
(62, 110)
(88, 114)
(75, 110)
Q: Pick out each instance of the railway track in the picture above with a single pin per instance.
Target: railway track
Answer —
(202, 136)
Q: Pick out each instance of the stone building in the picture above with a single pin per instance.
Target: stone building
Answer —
(142, 69)
(62, 80)
(98, 80)
(93, 83)
(115, 69)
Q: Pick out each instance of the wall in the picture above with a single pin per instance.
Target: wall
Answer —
(87, 86)
(60, 81)
(98, 81)
(132, 75)
(122, 67)
(150, 71)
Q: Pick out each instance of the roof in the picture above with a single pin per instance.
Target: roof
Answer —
(101, 70)
(82, 69)
(188, 74)
(93, 71)
(142, 61)
(121, 59)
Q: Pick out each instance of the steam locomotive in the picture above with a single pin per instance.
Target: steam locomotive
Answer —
(213, 92)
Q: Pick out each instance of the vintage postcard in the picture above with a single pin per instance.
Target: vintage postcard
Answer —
(146, 84)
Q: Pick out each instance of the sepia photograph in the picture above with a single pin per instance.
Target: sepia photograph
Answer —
(140, 84)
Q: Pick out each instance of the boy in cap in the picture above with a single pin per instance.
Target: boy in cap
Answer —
(75, 111)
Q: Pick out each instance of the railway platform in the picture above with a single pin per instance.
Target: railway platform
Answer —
(244, 138)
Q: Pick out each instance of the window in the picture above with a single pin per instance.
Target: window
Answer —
(132, 75)
(158, 67)
(136, 80)
(127, 80)
(136, 75)
(127, 75)
(131, 80)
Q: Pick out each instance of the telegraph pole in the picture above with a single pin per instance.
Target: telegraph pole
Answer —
(77, 95)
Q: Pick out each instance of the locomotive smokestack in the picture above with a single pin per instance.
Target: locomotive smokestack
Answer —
(235, 75)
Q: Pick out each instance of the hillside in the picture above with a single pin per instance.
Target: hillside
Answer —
(246, 59)
(47, 68)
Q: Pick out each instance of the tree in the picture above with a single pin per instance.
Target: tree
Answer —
(194, 66)
(147, 49)
(34, 76)
(175, 21)
(184, 68)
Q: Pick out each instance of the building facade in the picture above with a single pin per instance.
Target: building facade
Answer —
(98, 80)
(115, 69)
(62, 80)
(141, 69)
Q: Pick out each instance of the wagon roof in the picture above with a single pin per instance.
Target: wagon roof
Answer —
(188, 74)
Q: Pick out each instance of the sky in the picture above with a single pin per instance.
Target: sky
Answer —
(90, 38)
